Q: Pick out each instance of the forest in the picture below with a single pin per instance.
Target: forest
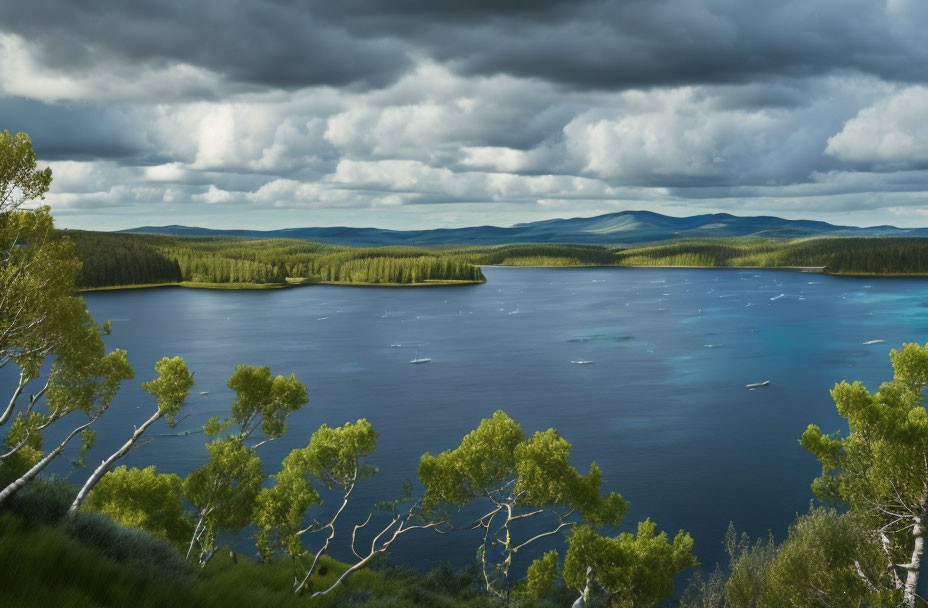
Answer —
(119, 259)
(115, 259)
(838, 255)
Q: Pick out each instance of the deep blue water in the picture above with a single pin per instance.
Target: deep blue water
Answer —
(663, 409)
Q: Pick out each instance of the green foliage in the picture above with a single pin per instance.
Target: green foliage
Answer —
(264, 401)
(749, 564)
(171, 386)
(497, 453)
(47, 567)
(129, 546)
(542, 575)
(37, 278)
(815, 565)
(334, 455)
(705, 592)
(86, 381)
(485, 458)
(541, 260)
(827, 559)
(334, 458)
(519, 478)
(143, 498)
(113, 259)
(631, 569)
(224, 490)
(50, 336)
(544, 254)
(130, 259)
(43, 502)
(880, 469)
(25, 431)
(20, 180)
(848, 255)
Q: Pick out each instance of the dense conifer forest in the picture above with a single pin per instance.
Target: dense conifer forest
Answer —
(839, 255)
(113, 259)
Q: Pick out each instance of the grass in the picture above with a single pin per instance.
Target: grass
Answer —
(47, 559)
(48, 566)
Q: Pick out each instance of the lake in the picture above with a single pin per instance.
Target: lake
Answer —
(662, 408)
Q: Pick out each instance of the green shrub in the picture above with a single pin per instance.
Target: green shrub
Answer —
(136, 549)
(43, 502)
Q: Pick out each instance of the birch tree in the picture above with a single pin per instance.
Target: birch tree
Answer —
(334, 461)
(20, 179)
(65, 377)
(170, 389)
(224, 490)
(516, 479)
(880, 469)
(626, 571)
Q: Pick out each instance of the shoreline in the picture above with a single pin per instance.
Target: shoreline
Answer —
(272, 286)
(456, 283)
(809, 269)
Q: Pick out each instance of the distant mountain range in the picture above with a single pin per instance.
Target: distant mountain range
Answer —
(613, 228)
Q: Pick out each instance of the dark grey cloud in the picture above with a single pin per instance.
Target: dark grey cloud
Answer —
(263, 43)
(570, 106)
(600, 44)
(642, 43)
(76, 132)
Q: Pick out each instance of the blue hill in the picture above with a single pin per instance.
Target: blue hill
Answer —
(610, 229)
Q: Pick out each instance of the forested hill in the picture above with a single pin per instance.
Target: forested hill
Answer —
(614, 228)
(117, 259)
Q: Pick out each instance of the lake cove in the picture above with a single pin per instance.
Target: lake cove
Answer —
(661, 404)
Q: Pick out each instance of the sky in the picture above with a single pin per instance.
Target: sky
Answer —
(414, 114)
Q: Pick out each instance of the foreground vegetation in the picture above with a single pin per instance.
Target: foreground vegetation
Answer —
(124, 260)
(51, 560)
(137, 536)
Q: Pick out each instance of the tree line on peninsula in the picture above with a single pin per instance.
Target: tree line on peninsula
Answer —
(145, 537)
(113, 259)
(117, 259)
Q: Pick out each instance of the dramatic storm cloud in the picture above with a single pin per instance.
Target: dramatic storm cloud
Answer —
(410, 113)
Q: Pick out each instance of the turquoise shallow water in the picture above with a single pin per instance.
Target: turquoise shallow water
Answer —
(663, 408)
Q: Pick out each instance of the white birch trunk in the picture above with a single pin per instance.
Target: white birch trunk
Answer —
(910, 591)
(34, 471)
(581, 601)
(106, 464)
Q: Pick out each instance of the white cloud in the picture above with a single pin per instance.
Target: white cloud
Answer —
(215, 195)
(892, 131)
(679, 133)
(168, 172)
(438, 139)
